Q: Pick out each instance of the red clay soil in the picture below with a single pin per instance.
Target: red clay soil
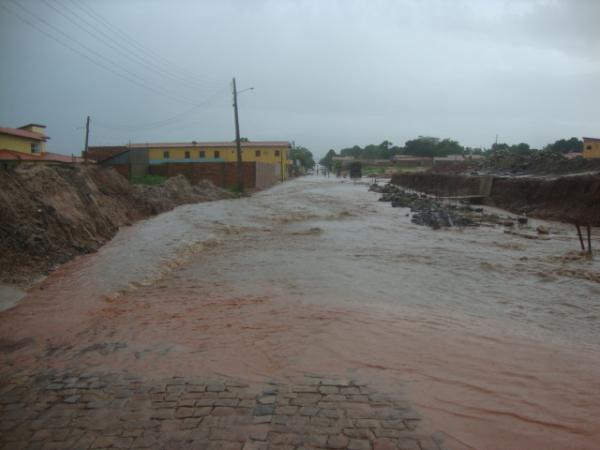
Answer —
(574, 199)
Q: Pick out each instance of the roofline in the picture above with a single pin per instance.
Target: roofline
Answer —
(590, 139)
(195, 144)
(38, 137)
(32, 124)
(114, 155)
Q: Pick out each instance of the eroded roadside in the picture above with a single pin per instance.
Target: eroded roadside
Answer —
(52, 214)
(313, 277)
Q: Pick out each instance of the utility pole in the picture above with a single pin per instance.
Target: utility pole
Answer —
(87, 135)
(238, 144)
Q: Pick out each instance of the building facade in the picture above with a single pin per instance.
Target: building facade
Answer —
(275, 153)
(215, 161)
(29, 139)
(591, 148)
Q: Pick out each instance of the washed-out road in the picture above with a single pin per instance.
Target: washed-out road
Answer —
(307, 316)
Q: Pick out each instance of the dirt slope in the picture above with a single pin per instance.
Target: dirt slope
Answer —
(49, 214)
(566, 199)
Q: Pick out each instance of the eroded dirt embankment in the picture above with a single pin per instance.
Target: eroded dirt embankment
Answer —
(566, 199)
(49, 214)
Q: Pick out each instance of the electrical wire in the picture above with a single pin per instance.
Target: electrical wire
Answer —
(133, 78)
(115, 44)
(158, 123)
(136, 44)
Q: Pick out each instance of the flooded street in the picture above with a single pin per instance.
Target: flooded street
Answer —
(493, 338)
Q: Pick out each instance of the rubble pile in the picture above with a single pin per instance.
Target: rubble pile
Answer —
(425, 210)
(539, 162)
(177, 191)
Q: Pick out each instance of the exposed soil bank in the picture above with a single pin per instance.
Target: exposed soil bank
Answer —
(49, 214)
(566, 199)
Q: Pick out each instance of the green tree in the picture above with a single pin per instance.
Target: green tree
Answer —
(431, 146)
(521, 149)
(565, 146)
(328, 159)
(303, 155)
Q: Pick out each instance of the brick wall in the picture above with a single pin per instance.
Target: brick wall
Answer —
(122, 169)
(222, 174)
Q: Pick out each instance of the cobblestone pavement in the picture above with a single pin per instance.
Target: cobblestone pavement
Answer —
(103, 410)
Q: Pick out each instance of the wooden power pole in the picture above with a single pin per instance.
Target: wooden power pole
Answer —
(238, 144)
(87, 135)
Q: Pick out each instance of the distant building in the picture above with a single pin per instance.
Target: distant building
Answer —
(591, 148)
(29, 139)
(449, 158)
(198, 160)
(342, 158)
(573, 155)
(28, 144)
(411, 159)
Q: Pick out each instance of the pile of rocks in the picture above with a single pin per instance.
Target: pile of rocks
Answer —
(426, 210)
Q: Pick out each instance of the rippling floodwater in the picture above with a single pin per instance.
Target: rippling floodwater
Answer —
(495, 337)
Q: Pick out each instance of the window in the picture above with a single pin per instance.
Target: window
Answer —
(187, 155)
(276, 152)
(201, 154)
(589, 147)
(257, 153)
(217, 154)
(166, 155)
(35, 148)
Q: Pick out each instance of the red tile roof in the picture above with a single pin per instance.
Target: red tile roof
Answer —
(24, 134)
(10, 155)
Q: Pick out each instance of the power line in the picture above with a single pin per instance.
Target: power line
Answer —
(107, 39)
(158, 123)
(99, 55)
(133, 42)
(131, 79)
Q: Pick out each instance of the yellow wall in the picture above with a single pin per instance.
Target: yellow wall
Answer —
(227, 154)
(19, 144)
(591, 149)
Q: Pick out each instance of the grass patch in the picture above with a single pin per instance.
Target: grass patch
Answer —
(148, 179)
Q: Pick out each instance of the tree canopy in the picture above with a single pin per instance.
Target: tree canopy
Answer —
(566, 146)
(327, 160)
(429, 146)
(304, 156)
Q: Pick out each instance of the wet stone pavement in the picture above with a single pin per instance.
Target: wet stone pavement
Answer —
(104, 410)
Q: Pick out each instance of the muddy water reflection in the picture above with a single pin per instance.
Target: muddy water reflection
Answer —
(497, 347)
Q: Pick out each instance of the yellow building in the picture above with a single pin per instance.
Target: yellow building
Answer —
(591, 148)
(29, 139)
(270, 152)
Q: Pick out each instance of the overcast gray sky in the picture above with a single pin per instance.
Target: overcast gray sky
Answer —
(327, 74)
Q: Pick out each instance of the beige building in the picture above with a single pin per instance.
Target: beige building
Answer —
(591, 148)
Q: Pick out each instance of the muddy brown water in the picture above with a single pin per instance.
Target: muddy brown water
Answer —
(495, 338)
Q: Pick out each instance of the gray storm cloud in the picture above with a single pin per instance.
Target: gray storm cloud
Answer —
(327, 74)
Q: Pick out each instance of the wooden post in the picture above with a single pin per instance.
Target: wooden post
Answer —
(580, 237)
(589, 236)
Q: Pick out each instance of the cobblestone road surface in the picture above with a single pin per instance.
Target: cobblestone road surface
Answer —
(100, 410)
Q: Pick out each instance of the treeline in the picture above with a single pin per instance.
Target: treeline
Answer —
(303, 156)
(427, 146)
